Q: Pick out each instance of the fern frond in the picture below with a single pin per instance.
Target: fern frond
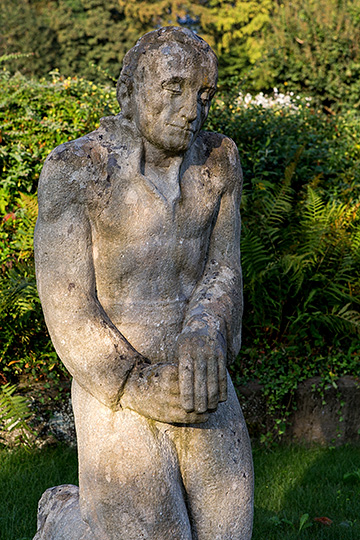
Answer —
(342, 319)
(355, 245)
(18, 291)
(295, 267)
(14, 413)
(278, 205)
(313, 211)
(350, 317)
(25, 230)
(14, 56)
(254, 255)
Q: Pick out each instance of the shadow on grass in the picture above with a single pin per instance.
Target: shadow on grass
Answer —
(294, 481)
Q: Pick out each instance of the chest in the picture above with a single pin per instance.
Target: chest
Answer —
(132, 209)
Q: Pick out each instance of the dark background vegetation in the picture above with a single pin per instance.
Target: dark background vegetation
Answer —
(300, 209)
(308, 46)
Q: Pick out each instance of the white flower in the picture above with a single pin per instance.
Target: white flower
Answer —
(275, 101)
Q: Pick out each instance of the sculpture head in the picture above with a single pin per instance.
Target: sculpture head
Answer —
(166, 85)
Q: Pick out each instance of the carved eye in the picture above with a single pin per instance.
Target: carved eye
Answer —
(174, 87)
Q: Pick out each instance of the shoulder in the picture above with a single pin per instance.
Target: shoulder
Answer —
(217, 142)
(60, 179)
(73, 170)
(220, 154)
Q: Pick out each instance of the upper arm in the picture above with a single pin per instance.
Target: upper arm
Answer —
(62, 241)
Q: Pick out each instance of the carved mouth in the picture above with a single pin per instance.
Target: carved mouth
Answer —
(183, 128)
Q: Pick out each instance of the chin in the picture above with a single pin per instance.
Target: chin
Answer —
(178, 145)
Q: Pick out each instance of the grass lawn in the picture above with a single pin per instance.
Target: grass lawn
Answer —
(291, 483)
(294, 481)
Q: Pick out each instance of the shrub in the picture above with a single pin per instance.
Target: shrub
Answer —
(313, 47)
(300, 243)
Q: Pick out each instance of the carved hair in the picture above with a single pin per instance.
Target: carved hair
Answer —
(153, 41)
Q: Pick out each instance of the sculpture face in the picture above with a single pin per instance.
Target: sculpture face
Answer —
(172, 95)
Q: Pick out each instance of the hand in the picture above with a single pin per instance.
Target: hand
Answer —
(202, 367)
(153, 391)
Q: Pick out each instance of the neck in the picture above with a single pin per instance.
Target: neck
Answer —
(155, 158)
(163, 170)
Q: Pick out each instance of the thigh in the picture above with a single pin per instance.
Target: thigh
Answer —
(130, 484)
(217, 471)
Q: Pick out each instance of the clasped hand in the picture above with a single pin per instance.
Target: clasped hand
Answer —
(184, 391)
(202, 368)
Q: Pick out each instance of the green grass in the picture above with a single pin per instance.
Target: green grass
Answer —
(290, 482)
(294, 481)
(24, 476)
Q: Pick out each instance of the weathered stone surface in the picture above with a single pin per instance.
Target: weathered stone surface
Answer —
(138, 270)
(59, 515)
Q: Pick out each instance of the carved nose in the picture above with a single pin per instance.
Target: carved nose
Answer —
(190, 111)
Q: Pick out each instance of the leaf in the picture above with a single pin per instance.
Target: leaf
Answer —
(14, 413)
(352, 477)
(324, 521)
(304, 522)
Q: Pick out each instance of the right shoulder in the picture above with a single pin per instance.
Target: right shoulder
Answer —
(74, 171)
(60, 179)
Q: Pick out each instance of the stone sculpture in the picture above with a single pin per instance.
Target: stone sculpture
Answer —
(138, 270)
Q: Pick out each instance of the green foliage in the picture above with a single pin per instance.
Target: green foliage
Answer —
(300, 247)
(307, 46)
(25, 347)
(35, 116)
(14, 413)
(25, 30)
(235, 30)
(301, 222)
(304, 522)
(313, 47)
(76, 36)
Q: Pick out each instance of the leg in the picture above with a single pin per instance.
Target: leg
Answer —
(130, 484)
(216, 466)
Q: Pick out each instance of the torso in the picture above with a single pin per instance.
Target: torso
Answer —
(149, 253)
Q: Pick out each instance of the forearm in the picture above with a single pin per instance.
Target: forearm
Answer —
(93, 350)
(217, 302)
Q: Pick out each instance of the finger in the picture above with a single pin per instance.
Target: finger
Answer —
(222, 373)
(170, 379)
(212, 383)
(200, 384)
(186, 382)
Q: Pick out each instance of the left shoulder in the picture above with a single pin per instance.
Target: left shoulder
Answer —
(220, 154)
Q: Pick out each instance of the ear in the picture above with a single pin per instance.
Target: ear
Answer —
(124, 97)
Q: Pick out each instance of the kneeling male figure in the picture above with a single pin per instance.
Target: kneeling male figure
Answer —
(138, 269)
